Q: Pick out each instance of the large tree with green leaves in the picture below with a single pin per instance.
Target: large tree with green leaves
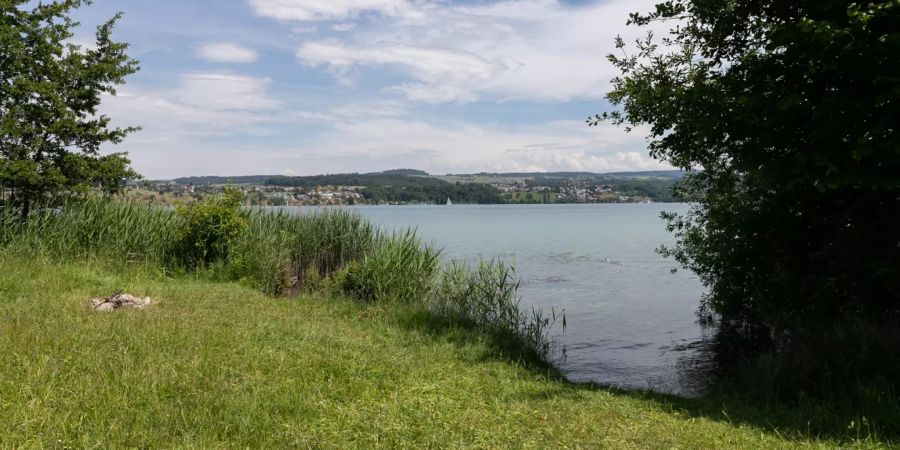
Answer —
(789, 114)
(51, 132)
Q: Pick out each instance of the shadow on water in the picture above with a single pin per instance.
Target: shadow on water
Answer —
(707, 366)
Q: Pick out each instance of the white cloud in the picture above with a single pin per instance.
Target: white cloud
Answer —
(416, 52)
(538, 50)
(179, 121)
(385, 143)
(425, 63)
(227, 53)
(223, 91)
(86, 42)
(200, 104)
(310, 10)
(344, 26)
(199, 135)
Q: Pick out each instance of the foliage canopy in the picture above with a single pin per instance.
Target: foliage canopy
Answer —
(788, 113)
(50, 89)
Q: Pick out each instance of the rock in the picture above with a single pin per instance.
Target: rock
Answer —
(105, 307)
(117, 301)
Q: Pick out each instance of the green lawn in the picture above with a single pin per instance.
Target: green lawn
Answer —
(219, 365)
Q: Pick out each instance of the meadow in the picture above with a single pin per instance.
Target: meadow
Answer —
(316, 331)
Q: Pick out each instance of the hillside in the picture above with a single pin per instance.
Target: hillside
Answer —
(415, 186)
(388, 187)
(577, 175)
(263, 179)
(205, 180)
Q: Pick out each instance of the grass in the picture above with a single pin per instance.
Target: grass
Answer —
(270, 250)
(399, 268)
(387, 347)
(485, 298)
(277, 253)
(217, 364)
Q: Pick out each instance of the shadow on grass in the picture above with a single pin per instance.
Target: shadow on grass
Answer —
(860, 412)
(798, 418)
(498, 344)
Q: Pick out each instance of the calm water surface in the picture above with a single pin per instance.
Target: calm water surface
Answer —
(630, 321)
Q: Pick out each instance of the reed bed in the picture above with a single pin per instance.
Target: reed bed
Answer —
(95, 228)
(485, 297)
(279, 251)
(129, 232)
(399, 268)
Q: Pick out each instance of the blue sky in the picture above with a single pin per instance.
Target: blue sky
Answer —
(323, 86)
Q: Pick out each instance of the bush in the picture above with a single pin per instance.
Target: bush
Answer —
(210, 228)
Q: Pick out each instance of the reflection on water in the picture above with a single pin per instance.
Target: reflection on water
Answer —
(631, 321)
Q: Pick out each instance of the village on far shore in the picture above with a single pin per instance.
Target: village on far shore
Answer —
(405, 186)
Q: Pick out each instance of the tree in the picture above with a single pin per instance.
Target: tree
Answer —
(787, 111)
(50, 91)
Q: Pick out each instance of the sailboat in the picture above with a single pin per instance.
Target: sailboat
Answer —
(449, 203)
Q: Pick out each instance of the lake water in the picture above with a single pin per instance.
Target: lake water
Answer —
(630, 321)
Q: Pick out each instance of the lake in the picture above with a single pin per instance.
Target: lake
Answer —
(631, 322)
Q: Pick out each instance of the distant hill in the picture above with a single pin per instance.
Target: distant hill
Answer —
(330, 178)
(264, 179)
(417, 186)
(407, 187)
(243, 179)
(674, 174)
(408, 172)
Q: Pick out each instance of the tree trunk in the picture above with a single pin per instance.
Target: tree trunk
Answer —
(26, 207)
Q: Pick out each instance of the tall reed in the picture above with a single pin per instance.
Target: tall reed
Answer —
(93, 228)
(399, 268)
(486, 297)
(269, 252)
(278, 250)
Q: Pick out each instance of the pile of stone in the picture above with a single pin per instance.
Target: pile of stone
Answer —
(120, 300)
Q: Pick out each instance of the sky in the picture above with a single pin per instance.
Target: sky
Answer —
(301, 87)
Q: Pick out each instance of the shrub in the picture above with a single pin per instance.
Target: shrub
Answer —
(210, 229)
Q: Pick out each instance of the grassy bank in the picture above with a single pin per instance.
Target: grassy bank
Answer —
(217, 364)
(334, 252)
(320, 330)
